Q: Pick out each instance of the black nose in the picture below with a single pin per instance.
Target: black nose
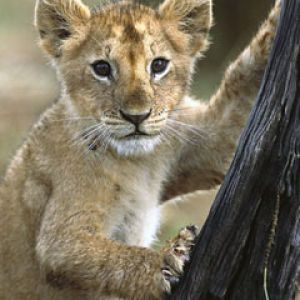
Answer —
(135, 119)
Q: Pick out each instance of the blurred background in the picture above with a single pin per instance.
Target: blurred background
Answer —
(28, 85)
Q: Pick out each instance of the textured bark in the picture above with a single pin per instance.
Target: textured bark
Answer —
(254, 224)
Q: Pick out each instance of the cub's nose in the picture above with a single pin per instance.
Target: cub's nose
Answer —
(135, 119)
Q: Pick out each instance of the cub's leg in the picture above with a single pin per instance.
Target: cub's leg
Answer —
(73, 255)
(216, 126)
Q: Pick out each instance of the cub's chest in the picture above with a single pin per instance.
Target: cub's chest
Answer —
(134, 212)
(136, 219)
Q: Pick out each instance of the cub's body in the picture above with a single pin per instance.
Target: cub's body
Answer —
(127, 191)
(79, 204)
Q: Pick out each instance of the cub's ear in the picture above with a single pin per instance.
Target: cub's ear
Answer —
(60, 20)
(194, 17)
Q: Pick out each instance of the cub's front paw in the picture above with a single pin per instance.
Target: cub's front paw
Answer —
(177, 254)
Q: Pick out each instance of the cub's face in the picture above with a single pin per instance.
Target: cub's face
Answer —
(125, 67)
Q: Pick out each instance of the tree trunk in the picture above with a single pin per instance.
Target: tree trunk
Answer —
(249, 247)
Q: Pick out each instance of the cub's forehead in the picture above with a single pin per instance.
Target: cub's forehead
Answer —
(126, 22)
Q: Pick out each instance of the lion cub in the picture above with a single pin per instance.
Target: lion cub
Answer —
(80, 202)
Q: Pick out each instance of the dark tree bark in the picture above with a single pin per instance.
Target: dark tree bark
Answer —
(252, 233)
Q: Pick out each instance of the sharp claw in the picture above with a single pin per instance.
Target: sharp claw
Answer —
(193, 228)
(173, 281)
(166, 272)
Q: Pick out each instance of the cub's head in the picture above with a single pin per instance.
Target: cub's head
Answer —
(124, 66)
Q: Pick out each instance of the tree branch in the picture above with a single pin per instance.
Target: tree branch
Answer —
(249, 247)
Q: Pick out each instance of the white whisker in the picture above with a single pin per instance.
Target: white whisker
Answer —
(73, 119)
(181, 136)
(188, 127)
(167, 139)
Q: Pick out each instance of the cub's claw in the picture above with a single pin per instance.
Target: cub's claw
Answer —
(177, 254)
(169, 277)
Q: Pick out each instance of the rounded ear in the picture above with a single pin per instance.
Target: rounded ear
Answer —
(58, 20)
(194, 18)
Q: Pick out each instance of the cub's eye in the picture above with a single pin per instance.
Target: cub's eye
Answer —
(102, 68)
(159, 65)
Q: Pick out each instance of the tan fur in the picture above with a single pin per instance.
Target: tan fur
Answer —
(77, 210)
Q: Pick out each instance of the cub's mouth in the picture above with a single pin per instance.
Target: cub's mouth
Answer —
(135, 138)
(136, 143)
(137, 134)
